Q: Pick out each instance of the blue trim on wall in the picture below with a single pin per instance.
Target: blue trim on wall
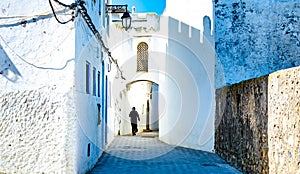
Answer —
(106, 85)
(103, 109)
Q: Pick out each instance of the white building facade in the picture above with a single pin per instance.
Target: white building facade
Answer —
(179, 65)
(51, 88)
(62, 101)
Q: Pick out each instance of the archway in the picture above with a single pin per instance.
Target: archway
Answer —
(183, 67)
(143, 95)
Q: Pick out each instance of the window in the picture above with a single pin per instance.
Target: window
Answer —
(93, 4)
(142, 57)
(89, 150)
(99, 77)
(87, 77)
(99, 114)
(100, 9)
(94, 81)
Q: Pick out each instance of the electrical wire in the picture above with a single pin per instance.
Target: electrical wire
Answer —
(64, 5)
(19, 20)
(23, 18)
(31, 64)
(83, 11)
(72, 6)
(56, 46)
(16, 19)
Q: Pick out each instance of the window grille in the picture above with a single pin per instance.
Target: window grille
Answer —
(142, 57)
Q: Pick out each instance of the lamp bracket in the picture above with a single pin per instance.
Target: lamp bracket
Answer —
(116, 8)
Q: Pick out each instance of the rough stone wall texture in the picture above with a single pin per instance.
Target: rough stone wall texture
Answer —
(33, 132)
(241, 125)
(284, 121)
(255, 38)
(258, 123)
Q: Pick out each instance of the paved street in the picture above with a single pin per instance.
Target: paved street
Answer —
(146, 154)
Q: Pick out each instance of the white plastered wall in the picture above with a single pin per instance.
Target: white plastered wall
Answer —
(36, 115)
(183, 67)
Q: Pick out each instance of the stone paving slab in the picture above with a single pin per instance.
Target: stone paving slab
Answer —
(142, 155)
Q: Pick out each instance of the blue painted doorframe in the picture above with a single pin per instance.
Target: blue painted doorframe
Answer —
(105, 114)
(103, 108)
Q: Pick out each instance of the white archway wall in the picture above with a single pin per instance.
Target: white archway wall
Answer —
(184, 69)
(137, 95)
(199, 57)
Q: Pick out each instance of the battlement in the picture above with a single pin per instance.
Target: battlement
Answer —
(151, 23)
(184, 32)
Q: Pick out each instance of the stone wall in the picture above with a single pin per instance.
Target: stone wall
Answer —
(34, 135)
(258, 123)
(284, 121)
(255, 38)
(241, 125)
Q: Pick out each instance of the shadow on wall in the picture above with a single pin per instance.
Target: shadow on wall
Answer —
(7, 68)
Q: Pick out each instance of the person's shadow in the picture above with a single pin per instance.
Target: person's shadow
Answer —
(7, 67)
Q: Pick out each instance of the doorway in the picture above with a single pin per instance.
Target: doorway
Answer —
(144, 96)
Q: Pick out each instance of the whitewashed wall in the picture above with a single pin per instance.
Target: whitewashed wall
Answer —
(190, 63)
(90, 132)
(37, 132)
(47, 119)
(183, 67)
(36, 115)
(42, 50)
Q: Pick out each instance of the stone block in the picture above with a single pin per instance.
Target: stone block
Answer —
(259, 123)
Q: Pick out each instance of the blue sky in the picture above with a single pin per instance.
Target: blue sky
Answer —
(157, 6)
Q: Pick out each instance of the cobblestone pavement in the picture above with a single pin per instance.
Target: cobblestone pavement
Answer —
(142, 155)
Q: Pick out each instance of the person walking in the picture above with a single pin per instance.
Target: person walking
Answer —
(134, 116)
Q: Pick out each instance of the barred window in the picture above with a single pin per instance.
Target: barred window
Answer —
(142, 57)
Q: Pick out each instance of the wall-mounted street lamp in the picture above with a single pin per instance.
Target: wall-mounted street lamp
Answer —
(126, 18)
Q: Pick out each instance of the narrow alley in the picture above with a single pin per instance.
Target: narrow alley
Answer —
(146, 154)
